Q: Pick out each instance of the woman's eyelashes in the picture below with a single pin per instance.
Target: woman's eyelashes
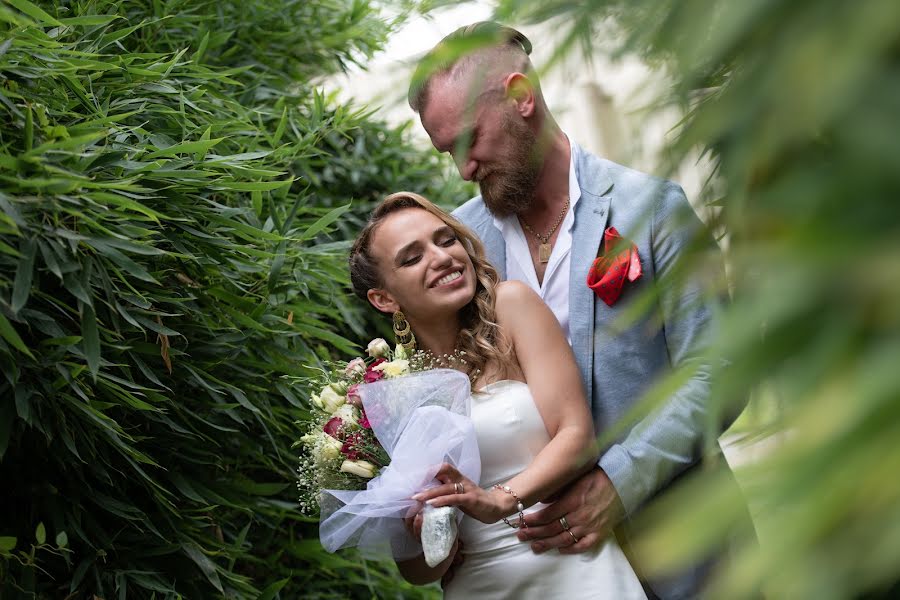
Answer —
(444, 242)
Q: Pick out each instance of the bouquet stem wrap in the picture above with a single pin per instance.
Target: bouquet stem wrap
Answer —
(421, 420)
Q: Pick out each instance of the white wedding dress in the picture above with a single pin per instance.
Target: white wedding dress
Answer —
(495, 563)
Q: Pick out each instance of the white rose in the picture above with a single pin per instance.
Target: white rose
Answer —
(330, 448)
(329, 400)
(378, 348)
(395, 368)
(347, 414)
(323, 446)
(339, 386)
(363, 468)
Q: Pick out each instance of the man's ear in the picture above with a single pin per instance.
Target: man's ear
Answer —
(382, 300)
(520, 89)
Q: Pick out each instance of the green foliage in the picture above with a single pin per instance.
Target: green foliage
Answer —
(798, 103)
(171, 183)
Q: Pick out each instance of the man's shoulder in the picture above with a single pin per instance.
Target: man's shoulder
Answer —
(473, 212)
(592, 166)
(638, 187)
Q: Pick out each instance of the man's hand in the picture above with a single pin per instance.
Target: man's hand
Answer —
(591, 507)
(458, 558)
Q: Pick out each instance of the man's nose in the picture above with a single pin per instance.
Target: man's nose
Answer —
(467, 167)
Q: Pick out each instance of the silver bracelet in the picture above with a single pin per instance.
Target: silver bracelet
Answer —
(519, 506)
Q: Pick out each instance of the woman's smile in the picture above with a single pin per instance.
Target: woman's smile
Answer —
(454, 277)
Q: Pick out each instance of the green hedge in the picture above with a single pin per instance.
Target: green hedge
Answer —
(170, 183)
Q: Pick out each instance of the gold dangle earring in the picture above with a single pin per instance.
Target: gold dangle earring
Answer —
(403, 331)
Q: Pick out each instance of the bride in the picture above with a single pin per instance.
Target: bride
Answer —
(532, 422)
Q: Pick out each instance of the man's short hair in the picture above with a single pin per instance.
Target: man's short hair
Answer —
(460, 44)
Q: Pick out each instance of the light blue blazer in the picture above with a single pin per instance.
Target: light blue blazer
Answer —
(618, 360)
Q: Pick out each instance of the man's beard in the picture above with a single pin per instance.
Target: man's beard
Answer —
(508, 187)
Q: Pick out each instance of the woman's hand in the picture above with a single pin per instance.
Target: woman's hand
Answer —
(488, 506)
(413, 521)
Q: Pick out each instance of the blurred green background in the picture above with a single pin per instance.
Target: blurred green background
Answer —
(178, 190)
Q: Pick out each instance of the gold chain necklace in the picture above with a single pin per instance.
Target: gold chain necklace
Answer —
(544, 249)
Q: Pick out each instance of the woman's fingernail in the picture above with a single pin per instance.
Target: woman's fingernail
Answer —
(416, 497)
(537, 547)
(429, 502)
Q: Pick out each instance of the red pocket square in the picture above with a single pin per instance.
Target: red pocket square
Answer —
(610, 270)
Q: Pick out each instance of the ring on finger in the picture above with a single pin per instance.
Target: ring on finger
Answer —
(574, 539)
(564, 522)
(458, 488)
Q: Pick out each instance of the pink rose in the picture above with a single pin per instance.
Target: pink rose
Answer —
(371, 375)
(364, 420)
(353, 396)
(357, 366)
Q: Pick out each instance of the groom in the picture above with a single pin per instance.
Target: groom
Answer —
(547, 210)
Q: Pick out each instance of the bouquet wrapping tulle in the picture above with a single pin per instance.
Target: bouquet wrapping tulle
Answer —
(421, 420)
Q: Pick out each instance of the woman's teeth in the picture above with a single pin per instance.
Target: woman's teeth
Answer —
(448, 278)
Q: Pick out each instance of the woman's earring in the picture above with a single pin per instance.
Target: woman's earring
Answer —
(403, 332)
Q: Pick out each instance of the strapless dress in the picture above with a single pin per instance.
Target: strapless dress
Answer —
(495, 563)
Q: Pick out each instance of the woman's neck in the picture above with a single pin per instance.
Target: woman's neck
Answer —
(438, 337)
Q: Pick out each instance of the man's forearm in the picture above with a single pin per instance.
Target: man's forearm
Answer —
(660, 446)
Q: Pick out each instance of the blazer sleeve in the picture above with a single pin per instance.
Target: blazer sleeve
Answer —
(670, 439)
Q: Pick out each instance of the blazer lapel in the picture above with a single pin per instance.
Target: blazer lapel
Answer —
(591, 216)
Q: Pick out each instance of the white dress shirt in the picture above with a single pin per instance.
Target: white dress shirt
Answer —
(554, 289)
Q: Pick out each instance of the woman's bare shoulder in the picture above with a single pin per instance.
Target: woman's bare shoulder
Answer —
(513, 291)
(515, 298)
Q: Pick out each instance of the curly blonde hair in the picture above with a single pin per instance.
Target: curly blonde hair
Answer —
(480, 337)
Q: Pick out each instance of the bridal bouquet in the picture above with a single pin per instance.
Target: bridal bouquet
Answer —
(380, 430)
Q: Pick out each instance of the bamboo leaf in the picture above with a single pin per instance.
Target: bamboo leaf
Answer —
(24, 274)
(23, 405)
(206, 565)
(91, 339)
(79, 573)
(34, 12)
(10, 335)
(279, 131)
(73, 143)
(201, 49)
(324, 221)
(253, 186)
(89, 20)
(272, 589)
(128, 204)
(256, 199)
(185, 148)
